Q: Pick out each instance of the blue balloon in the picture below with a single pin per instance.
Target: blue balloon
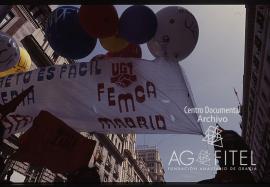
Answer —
(4, 10)
(65, 34)
(138, 24)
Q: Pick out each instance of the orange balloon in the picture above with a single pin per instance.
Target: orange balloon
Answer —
(132, 50)
(113, 43)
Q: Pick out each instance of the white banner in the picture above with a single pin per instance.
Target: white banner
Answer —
(113, 95)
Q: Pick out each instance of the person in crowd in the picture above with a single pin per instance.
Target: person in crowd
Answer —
(84, 175)
(240, 173)
(9, 173)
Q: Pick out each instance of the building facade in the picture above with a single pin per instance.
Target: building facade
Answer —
(151, 156)
(115, 158)
(107, 155)
(256, 88)
(134, 168)
(26, 23)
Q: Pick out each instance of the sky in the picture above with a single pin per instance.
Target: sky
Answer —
(213, 69)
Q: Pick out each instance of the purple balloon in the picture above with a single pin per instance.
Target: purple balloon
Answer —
(138, 24)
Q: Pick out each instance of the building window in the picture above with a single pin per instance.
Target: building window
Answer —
(265, 78)
(268, 58)
(261, 111)
(109, 158)
(115, 171)
(37, 13)
(264, 96)
(106, 178)
(252, 92)
(131, 147)
(55, 56)
(119, 146)
(251, 106)
(260, 19)
(151, 156)
(150, 164)
(108, 164)
(6, 20)
(256, 62)
(254, 78)
(129, 170)
(99, 154)
(258, 43)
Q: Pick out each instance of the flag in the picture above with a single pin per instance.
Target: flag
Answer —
(14, 103)
(5, 125)
(117, 95)
(50, 143)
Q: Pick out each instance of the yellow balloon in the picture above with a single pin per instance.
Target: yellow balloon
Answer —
(23, 65)
(113, 43)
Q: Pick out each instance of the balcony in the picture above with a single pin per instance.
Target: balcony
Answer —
(135, 164)
(129, 178)
(108, 166)
(115, 174)
(110, 147)
(122, 137)
(99, 157)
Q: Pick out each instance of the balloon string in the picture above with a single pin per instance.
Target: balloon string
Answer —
(190, 91)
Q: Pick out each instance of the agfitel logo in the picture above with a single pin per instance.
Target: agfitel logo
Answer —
(231, 157)
(213, 136)
(204, 158)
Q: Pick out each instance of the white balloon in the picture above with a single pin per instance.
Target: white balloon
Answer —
(9, 52)
(177, 34)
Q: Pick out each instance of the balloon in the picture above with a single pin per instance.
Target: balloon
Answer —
(23, 65)
(132, 50)
(99, 21)
(113, 43)
(177, 34)
(66, 36)
(4, 10)
(138, 24)
(9, 52)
